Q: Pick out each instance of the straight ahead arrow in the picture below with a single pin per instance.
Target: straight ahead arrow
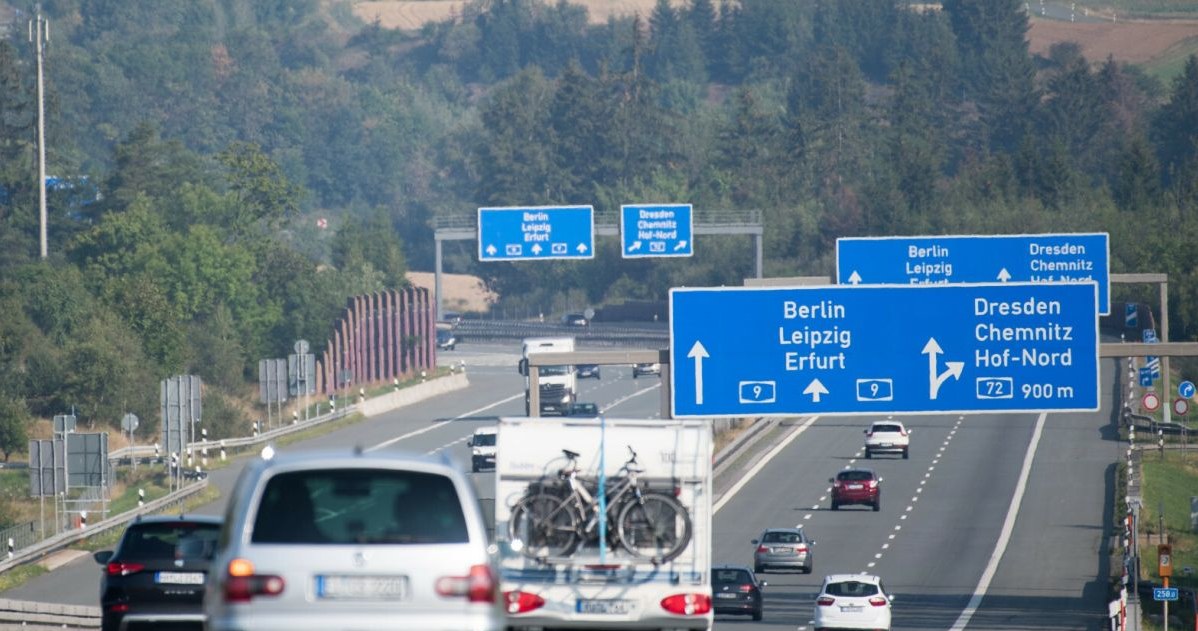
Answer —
(491, 249)
(1004, 275)
(854, 278)
(815, 389)
(699, 354)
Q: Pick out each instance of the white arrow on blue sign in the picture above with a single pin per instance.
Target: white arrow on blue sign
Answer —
(1146, 377)
(1185, 389)
(899, 349)
(1038, 258)
(656, 230)
(536, 233)
(1130, 312)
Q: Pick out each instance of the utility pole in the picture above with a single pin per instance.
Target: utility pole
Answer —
(39, 32)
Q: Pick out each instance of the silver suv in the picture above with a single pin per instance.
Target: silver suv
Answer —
(322, 540)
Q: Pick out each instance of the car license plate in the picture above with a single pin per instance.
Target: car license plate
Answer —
(180, 578)
(362, 587)
(722, 595)
(851, 609)
(609, 607)
(885, 444)
(856, 487)
(780, 550)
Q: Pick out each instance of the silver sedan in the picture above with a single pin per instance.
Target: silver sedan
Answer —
(784, 548)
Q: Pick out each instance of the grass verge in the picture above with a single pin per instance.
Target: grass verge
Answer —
(1168, 484)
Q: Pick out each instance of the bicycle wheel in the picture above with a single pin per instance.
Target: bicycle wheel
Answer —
(545, 525)
(656, 527)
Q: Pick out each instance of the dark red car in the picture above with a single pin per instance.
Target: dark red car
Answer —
(856, 486)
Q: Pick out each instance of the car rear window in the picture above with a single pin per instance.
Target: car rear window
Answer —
(173, 540)
(851, 589)
(887, 428)
(855, 476)
(731, 576)
(782, 537)
(360, 506)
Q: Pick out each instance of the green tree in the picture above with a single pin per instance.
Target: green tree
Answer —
(262, 195)
(371, 241)
(1176, 134)
(514, 151)
(14, 423)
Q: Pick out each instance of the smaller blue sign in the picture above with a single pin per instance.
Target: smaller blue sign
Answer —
(1146, 377)
(1149, 336)
(1164, 593)
(536, 233)
(1130, 311)
(1186, 389)
(656, 230)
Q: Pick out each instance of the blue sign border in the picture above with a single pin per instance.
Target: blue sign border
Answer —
(590, 210)
(1100, 276)
(722, 407)
(688, 231)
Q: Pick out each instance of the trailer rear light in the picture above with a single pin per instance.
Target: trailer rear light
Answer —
(522, 602)
(877, 601)
(687, 604)
(242, 584)
(477, 587)
(825, 601)
(117, 568)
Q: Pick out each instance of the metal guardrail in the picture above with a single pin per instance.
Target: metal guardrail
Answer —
(64, 539)
(652, 335)
(24, 616)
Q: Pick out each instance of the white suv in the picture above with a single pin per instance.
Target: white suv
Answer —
(852, 601)
(324, 540)
(887, 436)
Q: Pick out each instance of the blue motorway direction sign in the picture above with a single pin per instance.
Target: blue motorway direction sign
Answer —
(539, 232)
(1164, 593)
(656, 230)
(897, 349)
(1037, 258)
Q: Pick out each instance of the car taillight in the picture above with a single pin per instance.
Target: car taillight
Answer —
(117, 568)
(763, 549)
(903, 433)
(877, 601)
(118, 608)
(802, 547)
(522, 602)
(242, 584)
(477, 587)
(873, 484)
(687, 604)
(745, 588)
(825, 601)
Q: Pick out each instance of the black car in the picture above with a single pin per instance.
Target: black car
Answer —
(575, 319)
(587, 370)
(584, 409)
(155, 577)
(736, 590)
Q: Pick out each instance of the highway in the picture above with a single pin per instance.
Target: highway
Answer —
(944, 513)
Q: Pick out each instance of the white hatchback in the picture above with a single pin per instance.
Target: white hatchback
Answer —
(887, 436)
(852, 601)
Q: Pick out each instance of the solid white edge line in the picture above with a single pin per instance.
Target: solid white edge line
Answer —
(392, 441)
(1004, 536)
(740, 484)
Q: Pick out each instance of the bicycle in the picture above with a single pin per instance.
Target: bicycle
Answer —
(553, 520)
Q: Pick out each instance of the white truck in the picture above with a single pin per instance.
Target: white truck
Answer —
(558, 384)
(653, 569)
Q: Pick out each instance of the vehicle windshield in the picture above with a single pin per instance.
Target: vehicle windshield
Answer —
(443, 335)
(782, 537)
(173, 540)
(484, 440)
(730, 576)
(554, 371)
(360, 506)
(855, 476)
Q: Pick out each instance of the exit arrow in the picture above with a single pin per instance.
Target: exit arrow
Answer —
(815, 389)
(699, 354)
(681, 245)
(1004, 275)
(854, 278)
(636, 245)
(491, 249)
(932, 350)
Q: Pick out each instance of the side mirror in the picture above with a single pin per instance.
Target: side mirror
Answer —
(831, 480)
(522, 367)
(470, 442)
(880, 480)
(910, 431)
(865, 431)
(102, 556)
(753, 541)
(764, 584)
(811, 543)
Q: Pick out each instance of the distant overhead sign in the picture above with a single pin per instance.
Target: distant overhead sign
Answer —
(1013, 347)
(656, 230)
(534, 233)
(1037, 258)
